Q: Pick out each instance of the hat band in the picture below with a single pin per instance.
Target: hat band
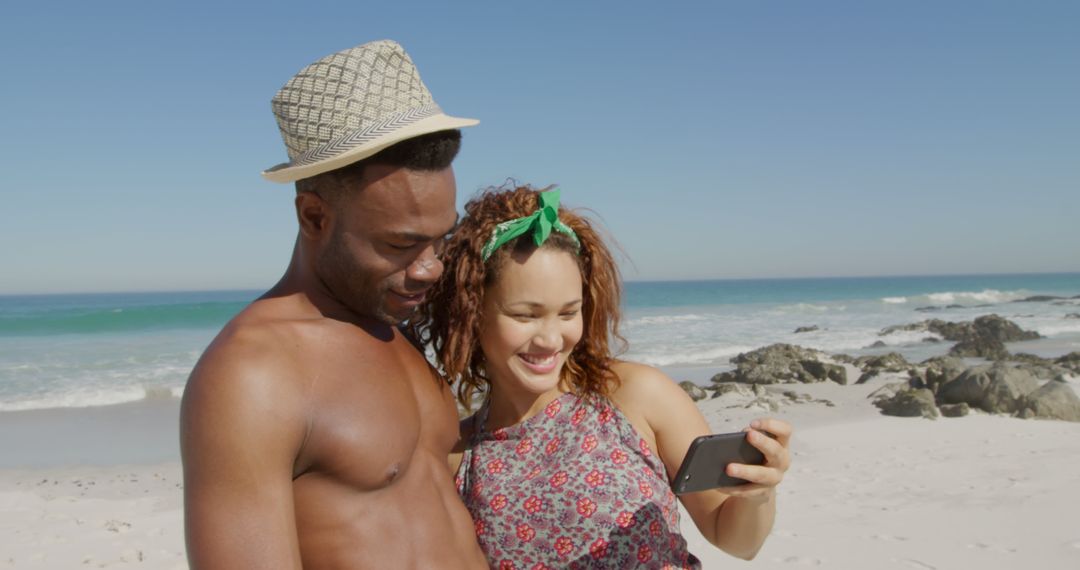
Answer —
(373, 131)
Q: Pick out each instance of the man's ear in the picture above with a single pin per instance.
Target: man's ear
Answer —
(314, 215)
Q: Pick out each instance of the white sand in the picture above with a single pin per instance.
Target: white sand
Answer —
(107, 517)
(865, 491)
(870, 491)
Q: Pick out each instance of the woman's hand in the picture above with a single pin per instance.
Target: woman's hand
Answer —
(763, 479)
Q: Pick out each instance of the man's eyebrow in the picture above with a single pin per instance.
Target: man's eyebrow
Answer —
(407, 235)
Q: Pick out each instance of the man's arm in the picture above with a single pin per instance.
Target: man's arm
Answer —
(242, 423)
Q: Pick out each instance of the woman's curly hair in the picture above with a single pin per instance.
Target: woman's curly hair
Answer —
(449, 320)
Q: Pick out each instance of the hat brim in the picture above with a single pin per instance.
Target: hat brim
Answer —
(286, 172)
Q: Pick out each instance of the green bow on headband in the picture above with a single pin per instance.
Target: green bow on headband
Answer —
(540, 223)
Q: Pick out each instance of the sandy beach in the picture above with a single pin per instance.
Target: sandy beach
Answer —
(873, 491)
(865, 491)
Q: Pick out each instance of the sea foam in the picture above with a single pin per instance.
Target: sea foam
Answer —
(984, 297)
(711, 355)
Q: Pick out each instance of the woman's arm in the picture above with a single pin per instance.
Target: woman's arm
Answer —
(738, 520)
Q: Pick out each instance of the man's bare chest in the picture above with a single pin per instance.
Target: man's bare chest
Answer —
(370, 417)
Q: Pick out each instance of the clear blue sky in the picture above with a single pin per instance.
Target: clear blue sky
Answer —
(714, 139)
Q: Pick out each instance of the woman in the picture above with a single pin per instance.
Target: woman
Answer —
(568, 461)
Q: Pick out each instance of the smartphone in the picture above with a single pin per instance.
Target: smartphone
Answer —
(708, 457)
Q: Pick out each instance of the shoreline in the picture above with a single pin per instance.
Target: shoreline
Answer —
(141, 432)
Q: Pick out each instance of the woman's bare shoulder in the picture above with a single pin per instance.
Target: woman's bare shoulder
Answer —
(643, 388)
(641, 379)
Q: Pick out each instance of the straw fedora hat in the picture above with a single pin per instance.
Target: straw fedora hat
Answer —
(350, 105)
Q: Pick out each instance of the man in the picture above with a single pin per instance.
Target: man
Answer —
(312, 433)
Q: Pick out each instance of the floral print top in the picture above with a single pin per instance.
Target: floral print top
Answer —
(574, 486)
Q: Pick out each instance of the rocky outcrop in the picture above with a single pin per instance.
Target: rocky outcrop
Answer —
(878, 364)
(986, 327)
(914, 402)
(693, 390)
(1054, 401)
(996, 388)
(988, 348)
(939, 386)
(935, 372)
(891, 362)
(782, 364)
(985, 337)
(888, 391)
(802, 398)
(1039, 299)
(1027, 358)
(1003, 330)
(757, 397)
(1039, 367)
(821, 371)
(843, 358)
(721, 389)
(954, 410)
(934, 308)
(1070, 362)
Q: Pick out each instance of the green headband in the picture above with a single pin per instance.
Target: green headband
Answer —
(540, 223)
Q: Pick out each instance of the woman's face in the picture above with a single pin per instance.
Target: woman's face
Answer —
(531, 322)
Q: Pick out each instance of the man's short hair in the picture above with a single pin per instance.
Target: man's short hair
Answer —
(433, 151)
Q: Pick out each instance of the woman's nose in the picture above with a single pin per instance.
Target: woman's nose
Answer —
(548, 336)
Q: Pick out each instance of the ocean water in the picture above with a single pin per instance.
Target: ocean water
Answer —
(69, 351)
(705, 323)
(73, 351)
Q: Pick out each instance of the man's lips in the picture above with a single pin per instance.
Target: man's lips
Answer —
(413, 298)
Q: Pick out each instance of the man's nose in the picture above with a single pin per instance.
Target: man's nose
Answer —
(425, 268)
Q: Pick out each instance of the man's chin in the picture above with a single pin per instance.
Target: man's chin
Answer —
(394, 318)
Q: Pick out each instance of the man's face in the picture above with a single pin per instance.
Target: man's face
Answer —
(382, 253)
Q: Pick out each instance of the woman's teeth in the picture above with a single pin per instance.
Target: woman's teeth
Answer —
(538, 359)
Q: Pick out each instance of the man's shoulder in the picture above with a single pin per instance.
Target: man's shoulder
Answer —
(246, 397)
(273, 329)
(252, 341)
(254, 352)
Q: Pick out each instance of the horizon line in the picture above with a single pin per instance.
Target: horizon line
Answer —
(625, 282)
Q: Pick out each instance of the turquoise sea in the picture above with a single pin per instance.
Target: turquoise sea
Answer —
(71, 351)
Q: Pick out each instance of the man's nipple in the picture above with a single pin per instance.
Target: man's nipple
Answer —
(392, 473)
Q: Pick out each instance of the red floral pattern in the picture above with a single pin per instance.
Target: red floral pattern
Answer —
(572, 487)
